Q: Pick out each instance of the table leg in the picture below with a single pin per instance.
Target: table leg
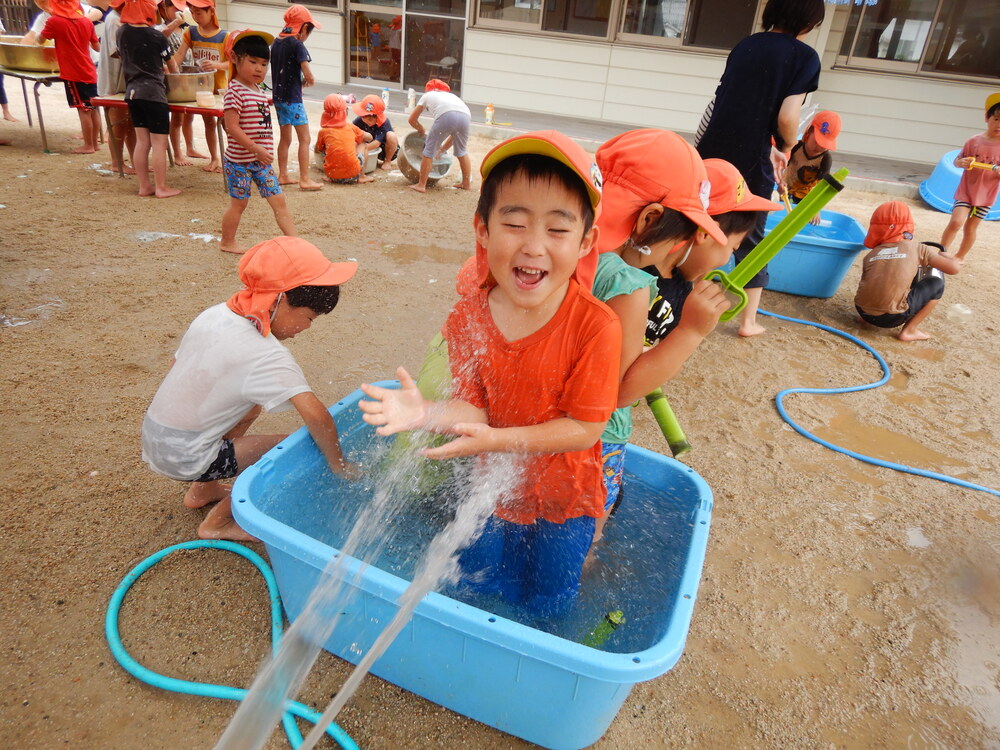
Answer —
(111, 141)
(41, 122)
(220, 131)
(27, 106)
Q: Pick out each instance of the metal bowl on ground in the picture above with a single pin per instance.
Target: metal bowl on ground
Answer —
(35, 58)
(184, 87)
(409, 160)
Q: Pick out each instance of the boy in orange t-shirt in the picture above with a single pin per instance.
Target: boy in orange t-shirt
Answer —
(534, 361)
(342, 142)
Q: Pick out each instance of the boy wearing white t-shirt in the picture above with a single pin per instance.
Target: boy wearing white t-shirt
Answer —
(230, 365)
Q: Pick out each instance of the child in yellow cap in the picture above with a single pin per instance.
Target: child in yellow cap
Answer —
(231, 365)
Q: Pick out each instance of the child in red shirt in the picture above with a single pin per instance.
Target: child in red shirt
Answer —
(73, 33)
(534, 361)
(342, 143)
(977, 190)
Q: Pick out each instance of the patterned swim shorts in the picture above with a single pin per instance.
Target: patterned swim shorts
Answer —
(239, 177)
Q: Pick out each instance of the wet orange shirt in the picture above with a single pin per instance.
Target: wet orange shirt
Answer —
(341, 160)
(568, 368)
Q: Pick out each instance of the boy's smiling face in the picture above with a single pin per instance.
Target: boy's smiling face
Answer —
(533, 242)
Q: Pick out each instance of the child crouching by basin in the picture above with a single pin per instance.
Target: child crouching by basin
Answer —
(231, 365)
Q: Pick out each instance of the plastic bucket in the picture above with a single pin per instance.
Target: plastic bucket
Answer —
(410, 154)
(938, 190)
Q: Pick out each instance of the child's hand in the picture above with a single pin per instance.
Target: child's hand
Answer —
(392, 410)
(308, 80)
(207, 65)
(965, 162)
(703, 307)
(350, 471)
(263, 155)
(475, 438)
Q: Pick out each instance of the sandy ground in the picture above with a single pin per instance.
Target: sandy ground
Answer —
(841, 605)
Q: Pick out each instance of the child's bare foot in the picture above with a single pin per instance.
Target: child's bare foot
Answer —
(914, 335)
(233, 248)
(464, 186)
(213, 166)
(310, 185)
(366, 178)
(220, 524)
(146, 192)
(284, 179)
(129, 170)
(417, 188)
(167, 193)
(754, 329)
(196, 154)
(9, 117)
(84, 150)
(387, 166)
(200, 494)
(182, 161)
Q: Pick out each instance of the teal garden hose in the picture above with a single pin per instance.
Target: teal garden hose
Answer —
(209, 690)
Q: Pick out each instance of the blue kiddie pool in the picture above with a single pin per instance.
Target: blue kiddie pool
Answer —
(491, 664)
(938, 190)
(816, 260)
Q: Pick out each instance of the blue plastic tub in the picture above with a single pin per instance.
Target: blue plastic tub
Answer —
(938, 190)
(816, 260)
(536, 685)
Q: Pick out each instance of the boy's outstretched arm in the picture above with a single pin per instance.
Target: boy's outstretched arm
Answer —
(392, 410)
(320, 425)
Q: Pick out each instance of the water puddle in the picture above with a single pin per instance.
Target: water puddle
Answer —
(847, 431)
(915, 538)
(35, 314)
(154, 236)
(404, 253)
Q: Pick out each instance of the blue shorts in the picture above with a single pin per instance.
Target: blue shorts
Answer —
(613, 459)
(291, 113)
(239, 176)
(534, 565)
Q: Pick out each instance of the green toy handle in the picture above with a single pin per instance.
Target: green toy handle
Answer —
(776, 239)
(667, 420)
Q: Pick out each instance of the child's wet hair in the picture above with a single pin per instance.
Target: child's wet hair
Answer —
(793, 16)
(320, 299)
(252, 46)
(736, 222)
(672, 226)
(534, 168)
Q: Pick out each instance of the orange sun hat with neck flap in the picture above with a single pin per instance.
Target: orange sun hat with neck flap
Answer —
(65, 8)
(273, 267)
(891, 222)
(138, 12)
(556, 146)
(295, 18)
(207, 5)
(436, 84)
(334, 112)
(647, 166)
(730, 191)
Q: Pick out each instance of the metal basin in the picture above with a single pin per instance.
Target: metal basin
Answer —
(30, 57)
(183, 87)
(409, 160)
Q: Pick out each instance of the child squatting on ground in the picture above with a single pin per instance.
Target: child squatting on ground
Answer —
(290, 71)
(230, 365)
(977, 190)
(891, 292)
(534, 363)
(144, 51)
(250, 146)
(342, 144)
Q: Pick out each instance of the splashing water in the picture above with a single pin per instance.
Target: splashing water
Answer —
(280, 679)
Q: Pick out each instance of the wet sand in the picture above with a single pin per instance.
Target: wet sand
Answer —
(842, 605)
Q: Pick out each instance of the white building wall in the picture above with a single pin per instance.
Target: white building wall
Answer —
(326, 45)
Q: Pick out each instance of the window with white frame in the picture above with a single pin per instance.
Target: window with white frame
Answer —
(959, 38)
(689, 23)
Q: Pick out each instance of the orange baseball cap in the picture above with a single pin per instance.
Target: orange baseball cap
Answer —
(370, 105)
(277, 265)
(730, 191)
(295, 18)
(139, 12)
(651, 166)
(890, 222)
(557, 146)
(334, 112)
(436, 84)
(826, 128)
